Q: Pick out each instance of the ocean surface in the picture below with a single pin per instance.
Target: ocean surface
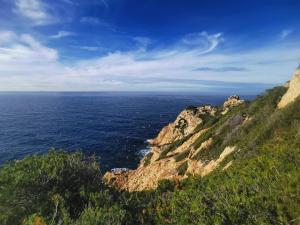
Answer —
(114, 126)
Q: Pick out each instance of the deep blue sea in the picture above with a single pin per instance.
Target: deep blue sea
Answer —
(114, 126)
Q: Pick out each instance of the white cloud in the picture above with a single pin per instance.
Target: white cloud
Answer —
(285, 33)
(142, 42)
(25, 54)
(39, 67)
(89, 48)
(97, 22)
(34, 10)
(203, 39)
(6, 37)
(62, 34)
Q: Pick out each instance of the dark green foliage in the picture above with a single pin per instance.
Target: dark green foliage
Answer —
(182, 155)
(182, 168)
(208, 121)
(166, 185)
(102, 216)
(148, 158)
(227, 130)
(39, 184)
(261, 187)
(205, 136)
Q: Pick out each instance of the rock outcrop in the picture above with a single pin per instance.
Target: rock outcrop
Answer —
(184, 124)
(293, 90)
(196, 143)
(231, 102)
(174, 152)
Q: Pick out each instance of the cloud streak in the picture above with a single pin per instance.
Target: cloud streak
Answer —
(62, 34)
(285, 33)
(34, 10)
(223, 69)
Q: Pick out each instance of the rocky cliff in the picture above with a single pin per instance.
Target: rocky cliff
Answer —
(293, 90)
(175, 150)
(199, 141)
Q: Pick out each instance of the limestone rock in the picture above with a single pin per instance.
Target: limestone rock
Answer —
(231, 102)
(185, 124)
(293, 90)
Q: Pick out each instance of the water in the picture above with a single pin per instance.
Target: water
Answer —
(114, 126)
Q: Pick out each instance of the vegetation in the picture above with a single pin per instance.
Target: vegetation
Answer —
(261, 187)
(182, 155)
(173, 146)
(182, 168)
(148, 158)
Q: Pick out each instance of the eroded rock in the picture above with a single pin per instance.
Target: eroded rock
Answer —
(231, 102)
(293, 90)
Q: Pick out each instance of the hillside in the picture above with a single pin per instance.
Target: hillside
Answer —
(233, 164)
(201, 139)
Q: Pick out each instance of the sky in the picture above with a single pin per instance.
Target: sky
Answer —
(148, 45)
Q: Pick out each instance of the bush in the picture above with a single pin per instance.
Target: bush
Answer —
(182, 168)
(43, 184)
(182, 155)
(176, 144)
(148, 158)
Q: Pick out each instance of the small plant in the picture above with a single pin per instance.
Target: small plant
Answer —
(173, 146)
(148, 158)
(182, 155)
(182, 168)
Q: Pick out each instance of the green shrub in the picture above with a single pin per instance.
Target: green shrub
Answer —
(102, 216)
(148, 158)
(182, 168)
(182, 155)
(41, 184)
(176, 144)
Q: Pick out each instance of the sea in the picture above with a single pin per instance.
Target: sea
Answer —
(115, 126)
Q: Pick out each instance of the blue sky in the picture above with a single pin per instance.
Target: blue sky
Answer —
(149, 45)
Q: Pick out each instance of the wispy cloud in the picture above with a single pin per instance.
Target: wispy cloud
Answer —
(93, 21)
(90, 48)
(285, 33)
(223, 69)
(68, 2)
(183, 66)
(34, 10)
(6, 37)
(142, 42)
(203, 39)
(62, 34)
(25, 51)
(105, 3)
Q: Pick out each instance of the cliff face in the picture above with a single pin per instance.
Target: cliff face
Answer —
(184, 125)
(174, 151)
(200, 140)
(293, 90)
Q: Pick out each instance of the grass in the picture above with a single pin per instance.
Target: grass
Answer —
(182, 168)
(182, 155)
(148, 158)
(173, 147)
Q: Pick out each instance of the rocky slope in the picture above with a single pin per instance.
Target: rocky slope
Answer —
(199, 141)
(293, 90)
(173, 152)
